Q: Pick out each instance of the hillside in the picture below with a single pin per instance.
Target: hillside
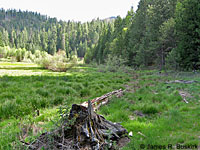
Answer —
(33, 31)
(13, 19)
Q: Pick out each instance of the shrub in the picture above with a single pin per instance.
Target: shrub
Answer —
(20, 54)
(2, 52)
(10, 52)
(114, 63)
(44, 62)
(59, 62)
(28, 57)
(16, 54)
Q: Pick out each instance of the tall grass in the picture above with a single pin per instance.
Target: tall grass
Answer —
(165, 118)
(22, 95)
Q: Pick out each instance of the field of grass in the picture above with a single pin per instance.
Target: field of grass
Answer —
(152, 109)
(156, 113)
(26, 88)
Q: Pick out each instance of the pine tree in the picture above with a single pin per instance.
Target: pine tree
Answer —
(188, 33)
(1, 41)
(5, 37)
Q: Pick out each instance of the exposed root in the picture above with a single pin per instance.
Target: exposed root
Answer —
(89, 131)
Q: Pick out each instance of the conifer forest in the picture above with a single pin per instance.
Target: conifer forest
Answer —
(125, 83)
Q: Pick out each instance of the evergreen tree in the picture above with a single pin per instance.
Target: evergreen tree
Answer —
(44, 40)
(23, 29)
(52, 40)
(188, 33)
(1, 41)
(5, 37)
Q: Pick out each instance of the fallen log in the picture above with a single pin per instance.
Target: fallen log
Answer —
(99, 101)
(88, 131)
(182, 81)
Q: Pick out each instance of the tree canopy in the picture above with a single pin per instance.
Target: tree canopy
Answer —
(161, 33)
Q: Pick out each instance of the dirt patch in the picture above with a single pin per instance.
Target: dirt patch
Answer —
(138, 113)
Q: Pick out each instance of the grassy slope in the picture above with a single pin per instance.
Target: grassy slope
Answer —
(168, 120)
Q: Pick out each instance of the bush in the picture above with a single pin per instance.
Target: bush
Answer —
(16, 54)
(29, 57)
(2, 52)
(37, 54)
(10, 52)
(59, 62)
(44, 62)
(20, 54)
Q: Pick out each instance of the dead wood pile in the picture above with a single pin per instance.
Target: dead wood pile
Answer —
(89, 131)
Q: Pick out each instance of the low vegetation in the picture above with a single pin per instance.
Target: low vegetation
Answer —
(151, 108)
(26, 89)
(58, 62)
(155, 111)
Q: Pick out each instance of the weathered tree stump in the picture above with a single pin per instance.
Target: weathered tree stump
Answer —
(89, 131)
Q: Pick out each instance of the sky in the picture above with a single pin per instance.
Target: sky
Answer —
(77, 10)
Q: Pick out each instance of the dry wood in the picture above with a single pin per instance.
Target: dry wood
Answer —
(184, 94)
(185, 100)
(99, 101)
(182, 81)
(89, 131)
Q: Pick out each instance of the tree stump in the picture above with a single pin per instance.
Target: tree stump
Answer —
(89, 131)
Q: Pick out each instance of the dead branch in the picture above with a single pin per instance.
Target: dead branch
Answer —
(182, 81)
(102, 100)
(184, 95)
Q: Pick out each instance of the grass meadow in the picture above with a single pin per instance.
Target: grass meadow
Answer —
(151, 109)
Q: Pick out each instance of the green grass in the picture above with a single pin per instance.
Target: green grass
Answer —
(26, 88)
(168, 119)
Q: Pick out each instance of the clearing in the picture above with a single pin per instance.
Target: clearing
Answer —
(157, 112)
